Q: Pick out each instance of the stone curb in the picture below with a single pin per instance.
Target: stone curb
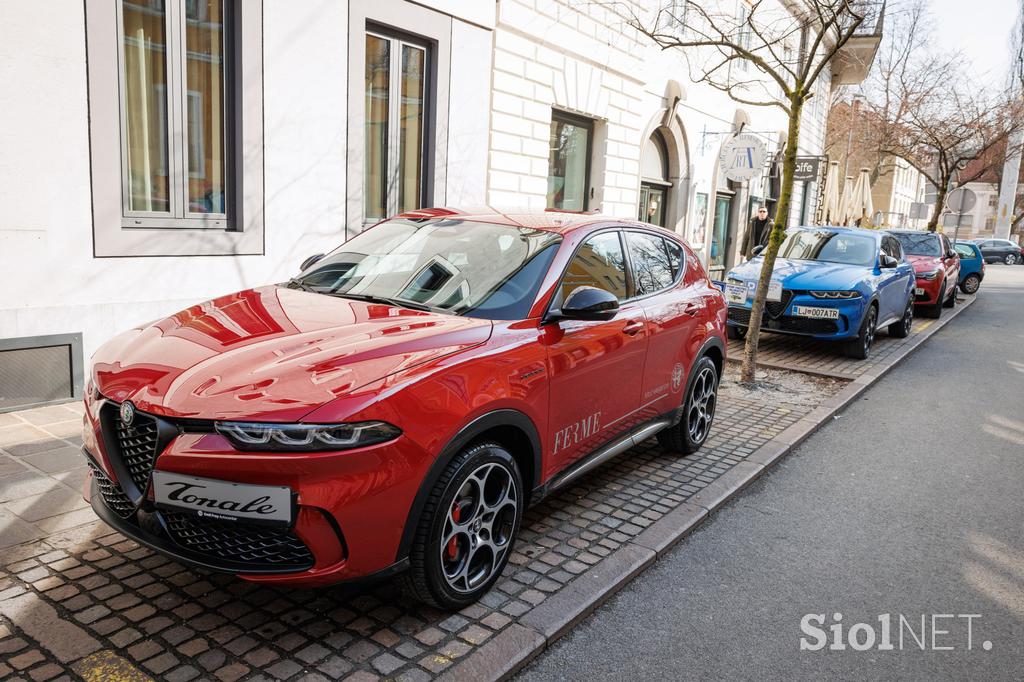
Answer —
(517, 645)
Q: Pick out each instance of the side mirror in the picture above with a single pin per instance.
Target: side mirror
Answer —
(310, 261)
(757, 250)
(887, 262)
(589, 303)
(952, 254)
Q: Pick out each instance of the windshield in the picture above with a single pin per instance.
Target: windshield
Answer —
(457, 266)
(833, 247)
(924, 244)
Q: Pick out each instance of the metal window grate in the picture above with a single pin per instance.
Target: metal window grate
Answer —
(40, 370)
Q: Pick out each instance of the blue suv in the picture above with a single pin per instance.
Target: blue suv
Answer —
(834, 283)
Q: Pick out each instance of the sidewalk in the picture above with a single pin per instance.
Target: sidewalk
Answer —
(41, 473)
(88, 600)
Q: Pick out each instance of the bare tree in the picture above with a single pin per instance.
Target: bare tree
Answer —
(924, 108)
(769, 54)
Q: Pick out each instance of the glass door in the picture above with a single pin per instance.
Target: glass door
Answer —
(720, 230)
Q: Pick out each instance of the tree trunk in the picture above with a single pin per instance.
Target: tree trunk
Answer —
(940, 200)
(778, 234)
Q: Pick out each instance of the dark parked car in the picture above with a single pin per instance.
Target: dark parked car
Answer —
(1000, 251)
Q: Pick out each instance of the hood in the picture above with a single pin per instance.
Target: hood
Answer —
(924, 263)
(272, 353)
(804, 274)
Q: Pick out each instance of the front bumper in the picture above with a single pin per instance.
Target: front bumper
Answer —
(351, 506)
(781, 318)
(932, 290)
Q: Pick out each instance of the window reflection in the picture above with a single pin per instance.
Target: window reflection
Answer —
(568, 163)
(204, 44)
(145, 112)
(377, 85)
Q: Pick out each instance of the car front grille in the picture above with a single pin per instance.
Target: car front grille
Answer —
(776, 308)
(234, 541)
(138, 444)
(111, 492)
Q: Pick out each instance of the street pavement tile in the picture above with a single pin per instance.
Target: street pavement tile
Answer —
(9, 465)
(51, 414)
(21, 434)
(157, 618)
(57, 460)
(18, 486)
(51, 503)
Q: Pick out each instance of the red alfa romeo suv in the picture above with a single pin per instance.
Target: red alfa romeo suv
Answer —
(396, 406)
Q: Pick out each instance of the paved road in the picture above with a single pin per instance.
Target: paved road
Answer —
(910, 503)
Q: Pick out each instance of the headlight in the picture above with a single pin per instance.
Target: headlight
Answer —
(306, 437)
(835, 294)
(928, 275)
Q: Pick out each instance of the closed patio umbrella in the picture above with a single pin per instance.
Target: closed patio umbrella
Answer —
(862, 206)
(830, 201)
(845, 203)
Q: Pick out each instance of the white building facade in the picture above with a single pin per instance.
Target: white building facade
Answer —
(162, 152)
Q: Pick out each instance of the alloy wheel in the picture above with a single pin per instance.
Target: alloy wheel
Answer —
(908, 319)
(703, 399)
(1010, 259)
(971, 284)
(869, 330)
(478, 527)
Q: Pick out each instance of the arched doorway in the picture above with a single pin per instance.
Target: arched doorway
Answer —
(655, 181)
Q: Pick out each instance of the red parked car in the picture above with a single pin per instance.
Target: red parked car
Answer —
(936, 265)
(398, 405)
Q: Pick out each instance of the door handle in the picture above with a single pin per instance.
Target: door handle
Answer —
(691, 309)
(633, 327)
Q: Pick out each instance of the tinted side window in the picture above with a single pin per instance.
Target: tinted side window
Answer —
(675, 256)
(599, 263)
(964, 251)
(652, 269)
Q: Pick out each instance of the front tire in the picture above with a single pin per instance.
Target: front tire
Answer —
(971, 284)
(1011, 259)
(901, 328)
(859, 348)
(467, 529)
(693, 429)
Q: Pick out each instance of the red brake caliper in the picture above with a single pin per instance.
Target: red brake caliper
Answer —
(452, 550)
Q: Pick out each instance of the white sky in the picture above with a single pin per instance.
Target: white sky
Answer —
(981, 28)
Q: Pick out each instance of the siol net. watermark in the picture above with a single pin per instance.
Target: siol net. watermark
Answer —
(927, 632)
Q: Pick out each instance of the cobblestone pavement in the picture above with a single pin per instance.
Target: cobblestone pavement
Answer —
(826, 357)
(87, 602)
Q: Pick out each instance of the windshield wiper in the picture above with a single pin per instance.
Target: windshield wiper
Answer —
(295, 283)
(401, 303)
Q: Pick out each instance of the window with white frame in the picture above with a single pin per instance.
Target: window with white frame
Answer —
(174, 77)
(396, 90)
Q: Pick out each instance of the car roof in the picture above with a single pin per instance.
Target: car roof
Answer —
(908, 230)
(840, 229)
(551, 220)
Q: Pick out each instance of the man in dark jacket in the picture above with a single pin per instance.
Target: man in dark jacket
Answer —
(758, 230)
